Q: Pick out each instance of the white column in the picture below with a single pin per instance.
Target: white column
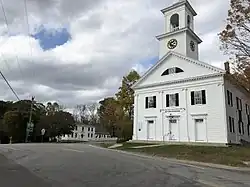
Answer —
(187, 113)
(135, 122)
(162, 115)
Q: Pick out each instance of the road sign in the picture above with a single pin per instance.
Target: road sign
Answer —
(43, 132)
(30, 127)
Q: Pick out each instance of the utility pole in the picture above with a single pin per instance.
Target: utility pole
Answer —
(31, 108)
(30, 118)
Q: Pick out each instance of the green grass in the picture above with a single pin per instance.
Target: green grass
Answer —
(105, 145)
(233, 156)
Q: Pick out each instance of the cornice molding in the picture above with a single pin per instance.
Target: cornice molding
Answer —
(187, 29)
(181, 80)
(178, 4)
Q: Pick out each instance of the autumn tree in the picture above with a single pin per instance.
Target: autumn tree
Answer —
(107, 113)
(125, 95)
(235, 39)
(125, 99)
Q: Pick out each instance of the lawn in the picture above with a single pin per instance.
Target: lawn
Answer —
(233, 156)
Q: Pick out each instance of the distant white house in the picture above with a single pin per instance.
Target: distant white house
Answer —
(87, 133)
(81, 133)
(181, 99)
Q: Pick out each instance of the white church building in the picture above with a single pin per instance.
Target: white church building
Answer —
(182, 99)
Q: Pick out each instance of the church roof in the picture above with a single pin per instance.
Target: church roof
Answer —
(197, 62)
(178, 4)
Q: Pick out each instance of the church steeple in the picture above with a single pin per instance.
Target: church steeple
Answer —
(179, 32)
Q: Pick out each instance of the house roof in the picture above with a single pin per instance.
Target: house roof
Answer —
(235, 82)
(203, 64)
(86, 125)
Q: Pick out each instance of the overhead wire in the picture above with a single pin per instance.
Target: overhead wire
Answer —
(7, 82)
(1, 73)
(5, 79)
(28, 27)
(7, 25)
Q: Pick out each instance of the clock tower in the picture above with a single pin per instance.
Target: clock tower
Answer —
(179, 35)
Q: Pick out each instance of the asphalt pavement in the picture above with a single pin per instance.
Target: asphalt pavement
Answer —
(80, 165)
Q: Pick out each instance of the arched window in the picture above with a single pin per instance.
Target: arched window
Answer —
(172, 71)
(188, 20)
(174, 22)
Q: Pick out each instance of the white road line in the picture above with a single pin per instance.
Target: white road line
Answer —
(208, 183)
(12, 148)
(198, 167)
(79, 151)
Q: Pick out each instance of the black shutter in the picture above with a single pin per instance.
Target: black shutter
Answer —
(167, 100)
(239, 126)
(176, 99)
(154, 101)
(233, 124)
(230, 124)
(192, 98)
(240, 104)
(228, 97)
(203, 92)
(146, 102)
(237, 102)
(231, 97)
(248, 129)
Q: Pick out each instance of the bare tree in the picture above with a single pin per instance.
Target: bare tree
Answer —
(235, 39)
(80, 113)
(86, 113)
(92, 113)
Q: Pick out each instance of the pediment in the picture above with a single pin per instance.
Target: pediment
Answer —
(174, 67)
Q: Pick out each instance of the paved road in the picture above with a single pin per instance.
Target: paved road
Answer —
(80, 165)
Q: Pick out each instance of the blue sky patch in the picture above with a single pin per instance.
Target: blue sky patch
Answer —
(150, 61)
(49, 39)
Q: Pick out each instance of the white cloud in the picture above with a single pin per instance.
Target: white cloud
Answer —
(108, 38)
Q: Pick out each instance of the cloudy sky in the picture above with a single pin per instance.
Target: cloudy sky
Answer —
(77, 51)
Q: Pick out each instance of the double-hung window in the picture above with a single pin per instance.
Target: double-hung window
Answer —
(172, 100)
(150, 102)
(198, 97)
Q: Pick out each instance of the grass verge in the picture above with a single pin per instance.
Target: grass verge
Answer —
(232, 156)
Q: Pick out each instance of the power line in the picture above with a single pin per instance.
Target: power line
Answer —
(5, 61)
(28, 27)
(9, 85)
(7, 25)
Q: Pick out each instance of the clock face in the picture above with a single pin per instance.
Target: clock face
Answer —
(172, 43)
(192, 45)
